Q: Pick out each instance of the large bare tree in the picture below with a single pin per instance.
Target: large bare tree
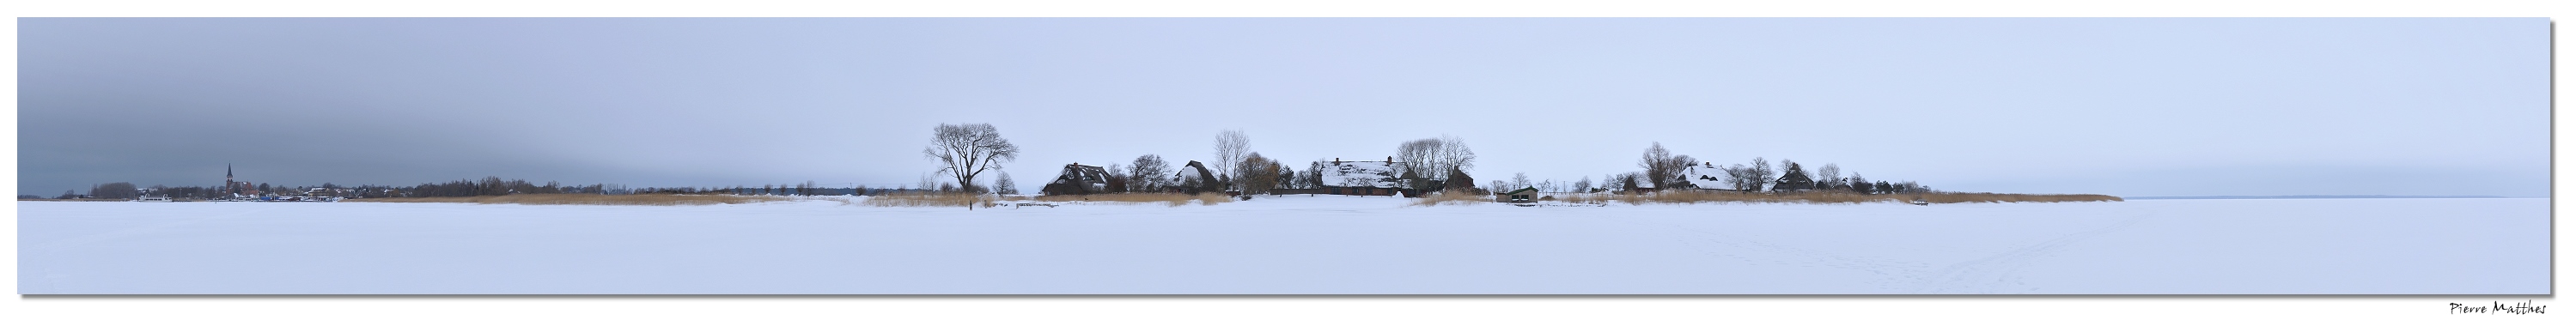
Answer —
(1761, 172)
(1419, 156)
(968, 149)
(1435, 158)
(1663, 168)
(1231, 145)
(1454, 156)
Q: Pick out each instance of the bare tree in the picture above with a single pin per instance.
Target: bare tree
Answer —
(1742, 177)
(1519, 180)
(1420, 156)
(1761, 172)
(968, 150)
(1313, 177)
(1287, 176)
(1627, 181)
(1454, 156)
(1663, 168)
(1829, 176)
(1680, 168)
(1002, 183)
(1231, 146)
(1653, 161)
(1583, 186)
(1436, 158)
(1113, 181)
(1260, 174)
(1148, 173)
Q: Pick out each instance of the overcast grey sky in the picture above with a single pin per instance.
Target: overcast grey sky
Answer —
(2133, 107)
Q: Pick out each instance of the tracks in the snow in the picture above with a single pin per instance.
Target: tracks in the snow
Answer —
(1989, 275)
(1890, 273)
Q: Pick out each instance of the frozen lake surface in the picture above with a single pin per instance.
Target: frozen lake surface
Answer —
(1292, 245)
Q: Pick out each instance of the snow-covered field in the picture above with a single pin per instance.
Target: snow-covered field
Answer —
(1292, 245)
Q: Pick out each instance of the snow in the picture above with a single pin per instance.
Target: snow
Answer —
(1292, 245)
(1707, 176)
(1363, 174)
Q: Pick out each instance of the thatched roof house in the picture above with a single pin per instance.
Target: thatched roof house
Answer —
(1078, 179)
(1366, 178)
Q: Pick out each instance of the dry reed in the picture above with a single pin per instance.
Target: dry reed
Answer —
(587, 199)
(1451, 197)
(1212, 198)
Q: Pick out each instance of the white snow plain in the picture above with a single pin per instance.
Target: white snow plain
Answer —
(1292, 245)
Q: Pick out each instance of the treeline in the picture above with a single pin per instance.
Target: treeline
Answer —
(127, 190)
(1424, 164)
(487, 186)
(1666, 170)
(494, 186)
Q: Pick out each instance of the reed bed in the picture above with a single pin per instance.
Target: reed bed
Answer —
(1825, 197)
(1210, 199)
(588, 199)
(1451, 197)
(1169, 199)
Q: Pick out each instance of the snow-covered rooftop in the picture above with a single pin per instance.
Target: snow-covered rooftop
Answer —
(1707, 176)
(1186, 174)
(1371, 174)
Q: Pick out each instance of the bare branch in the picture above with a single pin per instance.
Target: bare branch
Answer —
(967, 150)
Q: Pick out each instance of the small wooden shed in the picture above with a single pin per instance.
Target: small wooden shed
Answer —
(1523, 195)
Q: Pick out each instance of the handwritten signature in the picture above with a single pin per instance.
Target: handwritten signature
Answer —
(2524, 307)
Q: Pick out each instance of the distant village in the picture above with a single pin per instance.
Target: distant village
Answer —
(1417, 168)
